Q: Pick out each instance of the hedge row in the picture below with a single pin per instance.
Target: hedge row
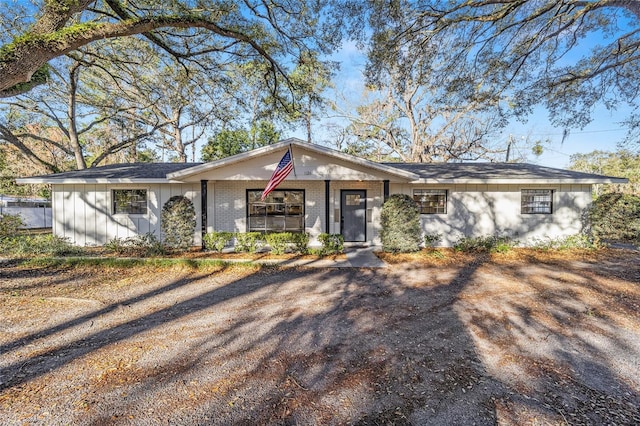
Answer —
(279, 242)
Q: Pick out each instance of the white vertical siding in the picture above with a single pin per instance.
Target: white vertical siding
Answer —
(83, 213)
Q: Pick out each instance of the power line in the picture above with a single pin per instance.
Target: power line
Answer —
(578, 133)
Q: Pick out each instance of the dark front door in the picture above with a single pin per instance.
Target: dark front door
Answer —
(353, 205)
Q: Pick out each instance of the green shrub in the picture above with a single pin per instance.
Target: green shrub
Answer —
(576, 241)
(178, 222)
(400, 220)
(281, 241)
(331, 243)
(616, 217)
(248, 242)
(41, 244)
(300, 241)
(430, 240)
(485, 244)
(217, 241)
(9, 225)
(140, 245)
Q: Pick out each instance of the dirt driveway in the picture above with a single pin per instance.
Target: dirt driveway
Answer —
(473, 340)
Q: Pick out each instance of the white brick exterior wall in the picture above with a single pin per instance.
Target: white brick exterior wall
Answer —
(480, 210)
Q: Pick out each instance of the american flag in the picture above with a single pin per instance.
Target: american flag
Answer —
(279, 174)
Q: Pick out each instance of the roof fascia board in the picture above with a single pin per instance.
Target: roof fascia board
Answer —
(503, 181)
(77, 181)
(201, 168)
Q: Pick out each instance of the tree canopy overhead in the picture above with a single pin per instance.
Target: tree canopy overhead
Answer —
(185, 29)
(515, 53)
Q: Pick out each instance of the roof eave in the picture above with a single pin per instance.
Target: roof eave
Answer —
(78, 181)
(503, 181)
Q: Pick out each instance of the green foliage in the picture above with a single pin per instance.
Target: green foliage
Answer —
(400, 220)
(331, 243)
(230, 142)
(217, 241)
(263, 133)
(249, 242)
(485, 244)
(615, 216)
(178, 222)
(622, 163)
(225, 144)
(138, 246)
(293, 241)
(569, 242)
(430, 240)
(9, 225)
(37, 245)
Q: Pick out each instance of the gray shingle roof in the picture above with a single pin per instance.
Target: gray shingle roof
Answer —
(427, 172)
(123, 171)
(491, 171)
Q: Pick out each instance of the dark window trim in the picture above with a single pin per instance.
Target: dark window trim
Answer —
(304, 210)
(446, 200)
(113, 201)
(546, 211)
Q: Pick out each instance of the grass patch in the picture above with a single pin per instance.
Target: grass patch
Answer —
(127, 263)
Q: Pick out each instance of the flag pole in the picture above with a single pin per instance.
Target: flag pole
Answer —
(293, 163)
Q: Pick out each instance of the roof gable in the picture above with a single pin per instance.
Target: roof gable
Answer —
(311, 162)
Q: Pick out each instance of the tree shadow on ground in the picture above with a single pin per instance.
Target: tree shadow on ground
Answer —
(408, 345)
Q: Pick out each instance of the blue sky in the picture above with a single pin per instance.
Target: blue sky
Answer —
(603, 133)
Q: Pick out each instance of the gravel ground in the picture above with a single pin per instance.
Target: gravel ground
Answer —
(470, 340)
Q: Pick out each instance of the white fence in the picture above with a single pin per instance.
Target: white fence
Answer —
(33, 217)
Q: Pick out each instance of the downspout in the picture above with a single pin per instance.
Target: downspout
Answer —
(385, 190)
(326, 206)
(203, 210)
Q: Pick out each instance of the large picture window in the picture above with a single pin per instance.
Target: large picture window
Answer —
(280, 211)
(537, 201)
(129, 201)
(431, 201)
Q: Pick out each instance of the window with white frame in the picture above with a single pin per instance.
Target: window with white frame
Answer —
(431, 201)
(129, 201)
(281, 210)
(537, 201)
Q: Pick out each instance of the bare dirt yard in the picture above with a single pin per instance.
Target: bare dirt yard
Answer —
(514, 339)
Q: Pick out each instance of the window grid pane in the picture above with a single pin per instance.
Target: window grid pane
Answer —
(129, 201)
(280, 211)
(431, 201)
(537, 201)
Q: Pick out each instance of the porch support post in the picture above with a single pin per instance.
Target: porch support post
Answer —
(203, 208)
(326, 206)
(385, 185)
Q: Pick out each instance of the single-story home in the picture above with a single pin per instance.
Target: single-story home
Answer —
(326, 192)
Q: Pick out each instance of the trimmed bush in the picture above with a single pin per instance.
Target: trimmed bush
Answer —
(178, 222)
(616, 217)
(281, 241)
(217, 241)
(400, 220)
(331, 243)
(248, 242)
